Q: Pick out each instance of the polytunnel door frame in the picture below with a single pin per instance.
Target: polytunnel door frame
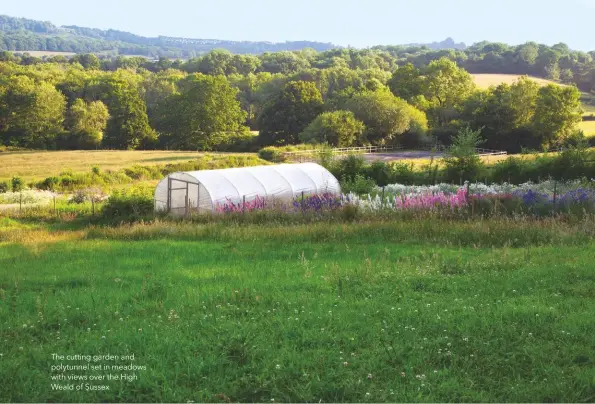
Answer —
(186, 197)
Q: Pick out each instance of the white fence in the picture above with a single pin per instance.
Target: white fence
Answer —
(311, 155)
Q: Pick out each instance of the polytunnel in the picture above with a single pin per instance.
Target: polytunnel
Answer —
(203, 191)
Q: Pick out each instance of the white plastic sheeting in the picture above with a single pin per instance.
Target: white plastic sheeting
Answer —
(203, 191)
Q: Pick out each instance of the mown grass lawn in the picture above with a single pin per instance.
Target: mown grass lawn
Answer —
(372, 312)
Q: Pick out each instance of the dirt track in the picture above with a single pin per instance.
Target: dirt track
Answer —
(404, 155)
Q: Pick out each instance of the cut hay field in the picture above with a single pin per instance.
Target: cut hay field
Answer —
(40, 164)
(404, 311)
(486, 80)
(588, 127)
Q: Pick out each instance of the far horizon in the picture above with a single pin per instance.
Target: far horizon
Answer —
(340, 23)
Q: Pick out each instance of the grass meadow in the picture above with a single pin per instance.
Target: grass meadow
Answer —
(375, 310)
(40, 164)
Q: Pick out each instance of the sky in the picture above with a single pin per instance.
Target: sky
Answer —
(342, 22)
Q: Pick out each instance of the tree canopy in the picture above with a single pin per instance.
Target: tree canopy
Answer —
(289, 112)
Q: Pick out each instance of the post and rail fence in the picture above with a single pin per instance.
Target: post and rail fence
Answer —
(312, 155)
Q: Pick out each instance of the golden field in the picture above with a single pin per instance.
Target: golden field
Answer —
(40, 164)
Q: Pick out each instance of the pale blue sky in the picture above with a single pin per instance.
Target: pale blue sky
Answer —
(342, 22)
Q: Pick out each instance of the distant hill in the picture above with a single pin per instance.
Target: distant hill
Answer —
(25, 35)
(448, 43)
(21, 34)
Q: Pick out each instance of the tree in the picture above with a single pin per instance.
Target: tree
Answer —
(338, 128)
(157, 87)
(287, 114)
(446, 86)
(214, 63)
(128, 127)
(31, 113)
(557, 112)
(407, 82)
(462, 162)
(243, 64)
(202, 114)
(384, 115)
(88, 61)
(504, 114)
(86, 122)
(283, 62)
(254, 90)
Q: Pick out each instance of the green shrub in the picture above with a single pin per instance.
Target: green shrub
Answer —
(347, 168)
(380, 172)
(512, 170)
(3, 187)
(403, 173)
(271, 153)
(242, 142)
(49, 183)
(129, 205)
(358, 185)
(462, 162)
(275, 153)
(16, 184)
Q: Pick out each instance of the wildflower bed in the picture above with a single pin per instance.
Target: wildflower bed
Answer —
(372, 311)
(543, 198)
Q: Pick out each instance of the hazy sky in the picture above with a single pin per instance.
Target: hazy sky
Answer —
(342, 22)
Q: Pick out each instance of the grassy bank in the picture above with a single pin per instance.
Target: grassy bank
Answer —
(410, 310)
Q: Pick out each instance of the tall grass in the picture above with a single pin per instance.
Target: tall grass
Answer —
(410, 310)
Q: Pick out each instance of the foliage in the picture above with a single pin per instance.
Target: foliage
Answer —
(384, 115)
(16, 184)
(289, 112)
(204, 114)
(439, 89)
(276, 153)
(337, 128)
(129, 205)
(86, 123)
(128, 127)
(462, 161)
(557, 112)
(358, 184)
(31, 114)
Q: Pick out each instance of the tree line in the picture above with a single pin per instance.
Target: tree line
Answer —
(21, 34)
(215, 101)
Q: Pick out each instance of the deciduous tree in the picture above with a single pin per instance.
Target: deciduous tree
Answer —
(287, 114)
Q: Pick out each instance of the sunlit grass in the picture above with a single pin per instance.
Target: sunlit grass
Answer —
(372, 311)
(588, 127)
(484, 81)
(41, 164)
